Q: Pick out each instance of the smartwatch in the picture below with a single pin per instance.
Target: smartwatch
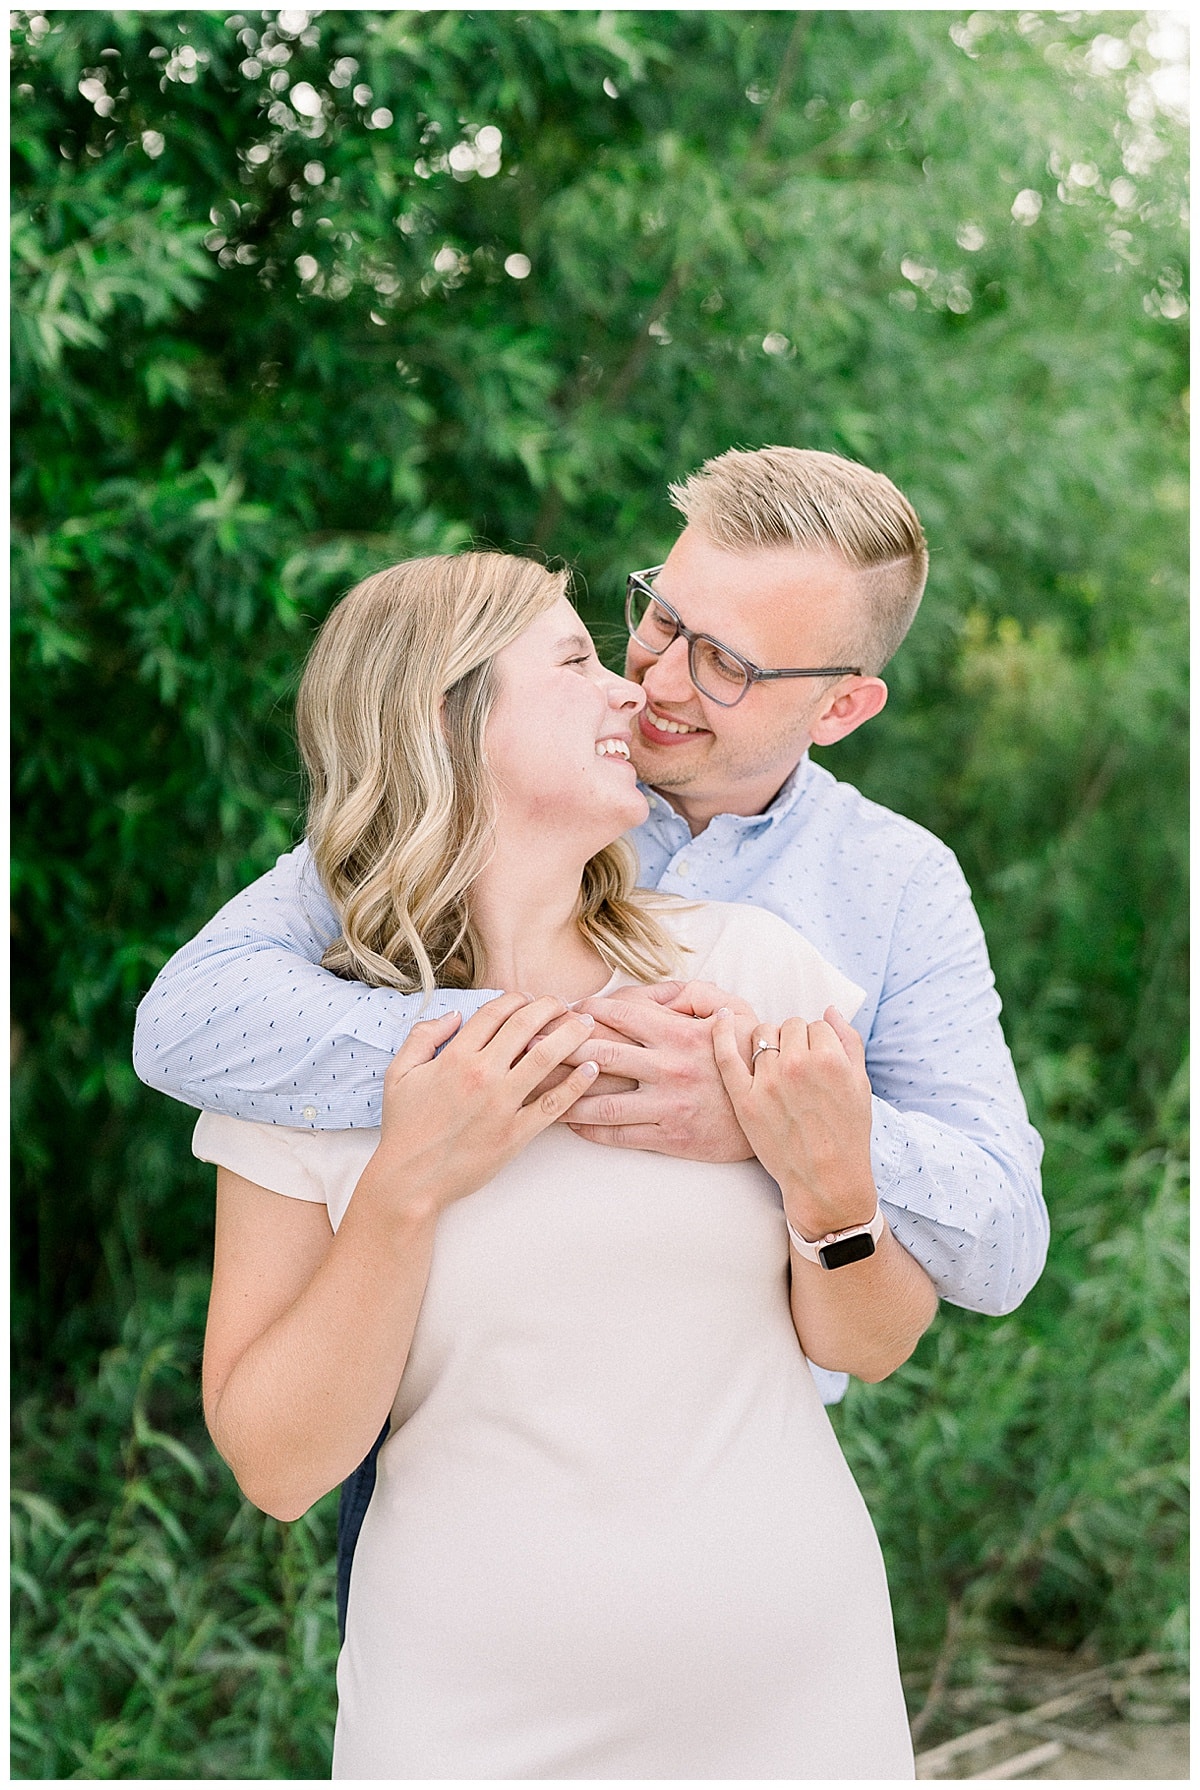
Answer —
(840, 1248)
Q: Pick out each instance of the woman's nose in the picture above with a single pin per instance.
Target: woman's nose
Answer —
(623, 693)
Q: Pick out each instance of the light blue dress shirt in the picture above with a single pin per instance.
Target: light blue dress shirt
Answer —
(243, 1020)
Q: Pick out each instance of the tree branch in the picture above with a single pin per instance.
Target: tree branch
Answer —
(779, 92)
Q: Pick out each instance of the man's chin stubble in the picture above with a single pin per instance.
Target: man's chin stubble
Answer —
(662, 776)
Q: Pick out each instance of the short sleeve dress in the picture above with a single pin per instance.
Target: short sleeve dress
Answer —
(612, 1533)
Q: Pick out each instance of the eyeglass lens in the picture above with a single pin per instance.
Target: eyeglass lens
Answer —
(714, 673)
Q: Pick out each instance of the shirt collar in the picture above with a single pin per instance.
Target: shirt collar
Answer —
(776, 811)
(789, 794)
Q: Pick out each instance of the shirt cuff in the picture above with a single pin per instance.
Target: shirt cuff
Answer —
(385, 1028)
(832, 1386)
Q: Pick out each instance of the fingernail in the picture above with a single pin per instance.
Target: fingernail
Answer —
(724, 1012)
(589, 1019)
(590, 1069)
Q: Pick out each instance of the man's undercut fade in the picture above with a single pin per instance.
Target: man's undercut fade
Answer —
(770, 497)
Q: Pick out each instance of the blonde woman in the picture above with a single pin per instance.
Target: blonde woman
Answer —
(612, 1534)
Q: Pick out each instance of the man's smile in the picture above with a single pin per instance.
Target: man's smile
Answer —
(664, 729)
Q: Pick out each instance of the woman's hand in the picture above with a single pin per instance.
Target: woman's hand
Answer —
(805, 1105)
(590, 1049)
(451, 1120)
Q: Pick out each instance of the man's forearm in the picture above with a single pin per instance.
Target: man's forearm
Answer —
(243, 1020)
(956, 1161)
(252, 1031)
(971, 1214)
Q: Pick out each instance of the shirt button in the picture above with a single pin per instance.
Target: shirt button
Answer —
(681, 869)
(310, 1112)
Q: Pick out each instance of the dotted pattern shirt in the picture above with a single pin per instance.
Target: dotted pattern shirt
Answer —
(244, 1021)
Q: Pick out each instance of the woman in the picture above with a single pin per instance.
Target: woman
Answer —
(612, 1534)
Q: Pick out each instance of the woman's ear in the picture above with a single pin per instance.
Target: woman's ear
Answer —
(848, 709)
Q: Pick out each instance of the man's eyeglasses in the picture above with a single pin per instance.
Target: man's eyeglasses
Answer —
(717, 672)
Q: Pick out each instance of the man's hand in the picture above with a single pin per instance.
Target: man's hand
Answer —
(604, 1083)
(660, 1039)
(805, 1105)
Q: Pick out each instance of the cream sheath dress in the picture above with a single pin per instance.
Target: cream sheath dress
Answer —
(612, 1533)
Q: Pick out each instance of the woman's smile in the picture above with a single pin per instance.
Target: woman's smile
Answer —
(614, 746)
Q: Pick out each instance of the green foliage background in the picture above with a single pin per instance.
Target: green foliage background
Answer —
(268, 334)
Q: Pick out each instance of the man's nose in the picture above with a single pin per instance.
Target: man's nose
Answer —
(668, 677)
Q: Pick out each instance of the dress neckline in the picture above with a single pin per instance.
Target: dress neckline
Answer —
(614, 982)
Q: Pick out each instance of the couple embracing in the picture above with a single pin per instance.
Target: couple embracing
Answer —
(598, 1086)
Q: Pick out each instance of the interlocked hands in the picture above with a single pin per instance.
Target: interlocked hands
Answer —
(670, 1096)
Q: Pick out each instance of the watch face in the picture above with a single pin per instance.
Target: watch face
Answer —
(849, 1249)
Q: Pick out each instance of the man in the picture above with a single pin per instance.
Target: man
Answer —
(796, 577)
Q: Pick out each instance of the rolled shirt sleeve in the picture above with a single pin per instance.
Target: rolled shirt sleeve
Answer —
(956, 1160)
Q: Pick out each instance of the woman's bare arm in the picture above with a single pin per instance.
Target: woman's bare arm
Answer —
(294, 1392)
(866, 1318)
(308, 1332)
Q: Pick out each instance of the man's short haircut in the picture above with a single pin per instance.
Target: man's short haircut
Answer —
(784, 496)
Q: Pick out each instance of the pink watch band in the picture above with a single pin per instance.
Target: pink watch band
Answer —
(814, 1252)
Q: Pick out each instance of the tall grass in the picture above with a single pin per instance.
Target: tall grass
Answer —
(1029, 1474)
(1025, 1474)
(163, 1628)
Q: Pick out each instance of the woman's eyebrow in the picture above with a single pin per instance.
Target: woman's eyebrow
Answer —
(574, 641)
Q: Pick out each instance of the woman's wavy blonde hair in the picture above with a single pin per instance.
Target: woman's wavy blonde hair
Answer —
(391, 718)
